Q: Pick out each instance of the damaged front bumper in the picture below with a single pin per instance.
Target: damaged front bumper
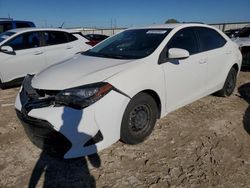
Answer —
(66, 131)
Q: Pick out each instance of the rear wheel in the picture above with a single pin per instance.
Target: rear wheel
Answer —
(229, 84)
(139, 119)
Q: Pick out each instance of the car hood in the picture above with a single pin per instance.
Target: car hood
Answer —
(77, 71)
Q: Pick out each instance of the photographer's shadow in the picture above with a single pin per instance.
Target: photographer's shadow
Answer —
(60, 172)
(244, 91)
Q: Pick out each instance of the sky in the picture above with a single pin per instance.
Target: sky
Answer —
(125, 13)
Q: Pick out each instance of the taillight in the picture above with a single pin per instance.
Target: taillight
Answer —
(90, 43)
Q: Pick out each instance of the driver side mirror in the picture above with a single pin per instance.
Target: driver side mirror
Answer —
(172, 54)
(7, 49)
(177, 53)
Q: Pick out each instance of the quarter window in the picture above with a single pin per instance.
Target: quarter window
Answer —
(210, 39)
(71, 37)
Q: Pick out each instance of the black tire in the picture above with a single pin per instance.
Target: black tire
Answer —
(138, 119)
(229, 84)
(1, 85)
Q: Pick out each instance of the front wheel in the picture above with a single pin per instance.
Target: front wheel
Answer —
(139, 119)
(2, 86)
(229, 84)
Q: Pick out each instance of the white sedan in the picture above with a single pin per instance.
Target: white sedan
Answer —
(119, 88)
(30, 50)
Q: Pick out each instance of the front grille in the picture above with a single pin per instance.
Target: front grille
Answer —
(48, 93)
(42, 135)
(34, 98)
(41, 132)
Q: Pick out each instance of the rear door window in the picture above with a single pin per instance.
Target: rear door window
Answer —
(209, 39)
(55, 37)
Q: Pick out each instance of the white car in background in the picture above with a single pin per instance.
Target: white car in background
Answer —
(119, 88)
(243, 41)
(29, 50)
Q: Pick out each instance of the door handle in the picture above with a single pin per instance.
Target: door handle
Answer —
(203, 61)
(38, 53)
(69, 47)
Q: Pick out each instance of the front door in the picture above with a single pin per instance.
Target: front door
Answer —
(184, 78)
(28, 56)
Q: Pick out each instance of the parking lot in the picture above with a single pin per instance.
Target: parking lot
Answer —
(203, 144)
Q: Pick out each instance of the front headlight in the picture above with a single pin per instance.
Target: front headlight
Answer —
(83, 96)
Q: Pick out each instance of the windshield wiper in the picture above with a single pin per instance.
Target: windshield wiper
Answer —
(114, 56)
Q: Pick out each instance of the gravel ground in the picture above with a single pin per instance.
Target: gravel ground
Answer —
(203, 144)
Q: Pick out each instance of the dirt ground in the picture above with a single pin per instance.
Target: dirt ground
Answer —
(204, 144)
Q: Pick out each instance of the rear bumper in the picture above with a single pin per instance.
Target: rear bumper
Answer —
(70, 132)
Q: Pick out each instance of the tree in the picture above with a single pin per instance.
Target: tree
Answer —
(172, 20)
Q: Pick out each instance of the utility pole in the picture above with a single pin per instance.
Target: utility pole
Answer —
(115, 23)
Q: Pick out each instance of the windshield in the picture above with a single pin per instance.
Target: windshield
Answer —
(130, 44)
(5, 35)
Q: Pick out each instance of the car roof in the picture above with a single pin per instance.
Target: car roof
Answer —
(161, 26)
(172, 26)
(21, 30)
(96, 34)
(6, 19)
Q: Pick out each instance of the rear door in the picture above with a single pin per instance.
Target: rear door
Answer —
(59, 46)
(218, 56)
(28, 56)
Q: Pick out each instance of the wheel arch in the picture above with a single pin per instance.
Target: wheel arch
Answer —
(1, 79)
(236, 67)
(157, 99)
(1, 76)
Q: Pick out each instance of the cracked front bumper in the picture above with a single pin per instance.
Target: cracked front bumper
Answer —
(70, 132)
